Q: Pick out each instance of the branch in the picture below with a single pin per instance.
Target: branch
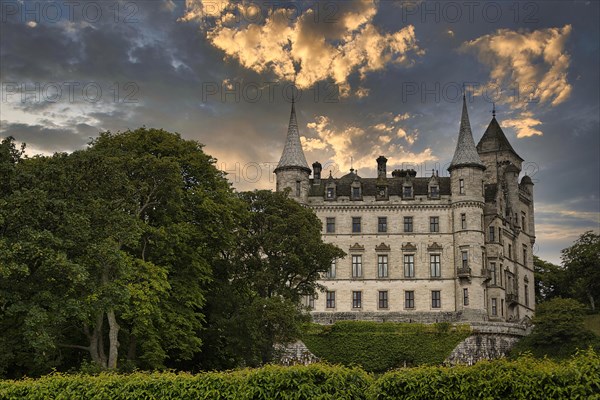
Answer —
(74, 346)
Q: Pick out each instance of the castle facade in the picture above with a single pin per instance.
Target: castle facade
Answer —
(423, 249)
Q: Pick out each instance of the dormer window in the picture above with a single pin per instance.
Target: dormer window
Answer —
(434, 192)
(330, 193)
(382, 193)
(407, 192)
(356, 191)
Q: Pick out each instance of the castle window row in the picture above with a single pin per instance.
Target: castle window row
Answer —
(383, 299)
(382, 224)
(435, 266)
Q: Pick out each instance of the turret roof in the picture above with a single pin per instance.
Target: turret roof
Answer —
(465, 154)
(293, 156)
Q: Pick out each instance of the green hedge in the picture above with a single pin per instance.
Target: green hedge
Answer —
(379, 347)
(525, 378)
(317, 381)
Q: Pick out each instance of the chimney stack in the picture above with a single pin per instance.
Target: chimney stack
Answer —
(381, 167)
(317, 168)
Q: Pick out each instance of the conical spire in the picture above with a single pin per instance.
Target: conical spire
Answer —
(465, 154)
(293, 156)
(494, 140)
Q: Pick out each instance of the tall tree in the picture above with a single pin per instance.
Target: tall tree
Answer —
(582, 261)
(550, 280)
(255, 301)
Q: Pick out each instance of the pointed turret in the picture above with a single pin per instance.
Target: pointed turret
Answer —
(292, 156)
(494, 140)
(465, 154)
(293, 172)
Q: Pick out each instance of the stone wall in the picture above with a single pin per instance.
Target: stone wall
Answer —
(421, 317)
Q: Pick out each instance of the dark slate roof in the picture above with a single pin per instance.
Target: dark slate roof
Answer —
(465, 154)
(293, 156)
(369, 186)
(494, 135)
(526, 180)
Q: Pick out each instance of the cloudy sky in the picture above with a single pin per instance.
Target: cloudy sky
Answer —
(373, 77)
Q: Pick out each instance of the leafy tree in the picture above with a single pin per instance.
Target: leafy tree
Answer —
(582, 261)
(559, 330)
(254, 302)
(550, 280)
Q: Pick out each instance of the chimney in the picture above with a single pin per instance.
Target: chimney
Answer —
(317, 173)
(381, 167)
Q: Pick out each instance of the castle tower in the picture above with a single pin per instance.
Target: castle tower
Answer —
(466, 183)
(292, 172)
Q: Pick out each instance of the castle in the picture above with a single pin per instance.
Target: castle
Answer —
(423, 249)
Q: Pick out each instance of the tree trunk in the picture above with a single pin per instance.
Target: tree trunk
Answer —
(96, 342)
(592, 302)
(113, 339)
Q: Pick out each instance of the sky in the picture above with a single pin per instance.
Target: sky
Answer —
(369, 77)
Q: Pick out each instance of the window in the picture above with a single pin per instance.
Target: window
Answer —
(436, 299)
(465, 259)
(510, 251)
(331, 271)
(465, 297)
(501, 274)
(407, 191)
(330, 193)
(434, 191)
(524, 254)
(382, 224)
(356, 266)
(463, 221)
(409, 265)
(356, 192)
(434, 264)
(382, 266)
(311, 302)
(461, 186)
(434, 224)
(355, 224)
(492, 234)
(493, 272)
(330, 300)
(502, 307)
(330, 225)
(526, 295)
(523, 217)
(356, 299)
(383, 299)
(408, 224)
(494, 307)
(298, 189)
(409, 299)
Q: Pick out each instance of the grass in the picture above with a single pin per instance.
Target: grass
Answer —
(592, 322)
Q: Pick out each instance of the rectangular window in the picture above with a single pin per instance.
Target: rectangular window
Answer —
(493, 273)
(298, 189)
(527, 295)
(494, 307)
(356, 192)
(330, 225)
(465, 297)
(355, 224)
(510, 251)
(434, 263)
(523, 217)
(501, 273)
(434, 224)
(330, 300)
(434, 191)
(383, 299)
(492, 234)
(311, 302)
(356, 299)
(502, 307)
(407, 191)
(436, 299)
(409, 265)
(356, 266)
(524, 254)
(408, 224)
(382, 224)
(409, 299)
(330, 193)
(382, 266)
(461, 186)
(465, 259)
(463, 221)
(331, 271)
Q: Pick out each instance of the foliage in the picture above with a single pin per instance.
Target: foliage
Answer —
(582, 261)
(525, 378)
(592, 322)
(550, 280)
(559, 330)
(254, 299)
(379, 347)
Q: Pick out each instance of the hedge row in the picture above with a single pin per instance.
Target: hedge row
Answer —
(379, 347)
(525, 378)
